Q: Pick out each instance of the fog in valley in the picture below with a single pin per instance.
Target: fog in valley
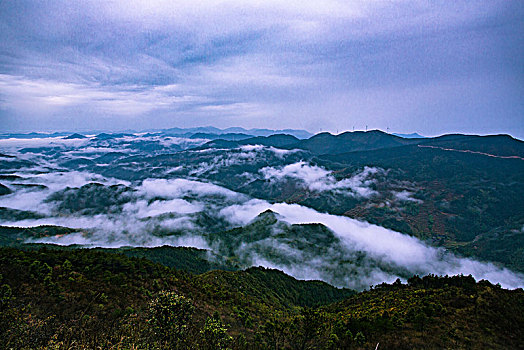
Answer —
(149, 190)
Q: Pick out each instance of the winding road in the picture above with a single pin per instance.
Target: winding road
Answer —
(474, 152)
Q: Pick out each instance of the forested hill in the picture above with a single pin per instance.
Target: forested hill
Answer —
(326, 143)
(88, 299)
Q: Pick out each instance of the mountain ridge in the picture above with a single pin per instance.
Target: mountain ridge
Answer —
(326, 143)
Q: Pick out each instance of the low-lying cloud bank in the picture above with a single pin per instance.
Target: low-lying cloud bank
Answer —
(177, 188)
(220, 158)
(319, 179)
(34, 198)
(186, 212)
(177, 205)
(398, 249)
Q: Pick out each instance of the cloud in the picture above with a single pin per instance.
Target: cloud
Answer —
(113, 232)
(182, 211)
(128, 64)
(33, 199)
(224, 159)
(142, 209)
(405, 196)
(40, 95)
(13, 144)
(185, 143)
(279, 152)
(29, 200)
(183, 223)
(144, 220)
(318, 179)
(220, 159)
(178, 188)
(97, 150)
(168, 212)
(385, 247)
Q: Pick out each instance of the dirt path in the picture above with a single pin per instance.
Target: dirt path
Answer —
(474, 152)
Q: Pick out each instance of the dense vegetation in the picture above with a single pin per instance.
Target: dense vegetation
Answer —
(88, 299)
(470, 203)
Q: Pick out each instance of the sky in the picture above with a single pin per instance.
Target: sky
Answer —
(430, 67)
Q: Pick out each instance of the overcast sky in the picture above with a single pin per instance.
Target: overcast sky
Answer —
(427, 66)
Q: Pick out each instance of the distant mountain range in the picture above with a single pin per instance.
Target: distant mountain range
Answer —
(328, 144)
(321, 143)
(203, 131)
(301, 134)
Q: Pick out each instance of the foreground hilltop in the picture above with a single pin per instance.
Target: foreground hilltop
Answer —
(79, 299)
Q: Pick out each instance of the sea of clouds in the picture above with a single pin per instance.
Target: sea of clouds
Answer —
(160, 211)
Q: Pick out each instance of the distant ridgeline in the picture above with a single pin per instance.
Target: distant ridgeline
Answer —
(202, 132)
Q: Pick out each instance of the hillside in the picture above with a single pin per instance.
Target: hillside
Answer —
(325, 143)
(328, 144)
(471, 203)
(497, 145)
(280, 140)
(79, 299)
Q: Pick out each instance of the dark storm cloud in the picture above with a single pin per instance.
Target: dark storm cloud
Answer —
(409, 65)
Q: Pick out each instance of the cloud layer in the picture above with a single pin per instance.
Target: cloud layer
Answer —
(187, 212)
(406, 65)
(393, 248)
(318, 179)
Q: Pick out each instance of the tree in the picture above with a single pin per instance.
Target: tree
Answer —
(5, 296)
(306, 328)
(214, 334)
(273, 333)
(360, 339)
(169, 316)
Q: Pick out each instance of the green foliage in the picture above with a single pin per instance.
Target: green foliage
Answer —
(91, 199)
(307, 328)
(471, 203)
(360, 339)
(214, 334)
(170, 315)
(116, 302)
(5, 296)
(182, 258)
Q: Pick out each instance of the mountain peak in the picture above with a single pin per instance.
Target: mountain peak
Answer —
(74, 136)
(267, 215)
(413, 135)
